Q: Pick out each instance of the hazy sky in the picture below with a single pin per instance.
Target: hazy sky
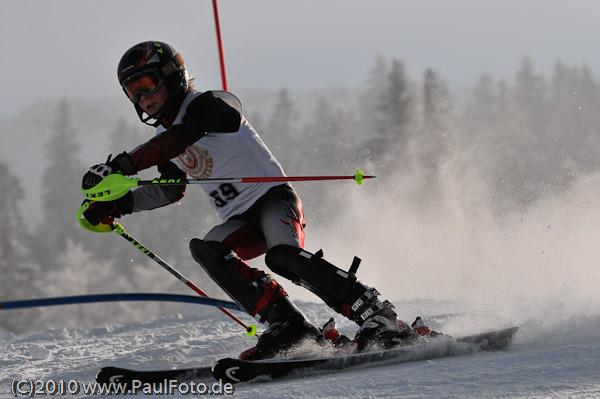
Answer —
(70, 48)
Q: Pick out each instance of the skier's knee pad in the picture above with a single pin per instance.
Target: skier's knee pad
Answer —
(339, 289)
(252, 289)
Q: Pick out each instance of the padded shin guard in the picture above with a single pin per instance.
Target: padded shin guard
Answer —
(253, 290)
(341, 290)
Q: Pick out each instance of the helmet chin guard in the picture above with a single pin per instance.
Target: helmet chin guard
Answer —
(152, 120)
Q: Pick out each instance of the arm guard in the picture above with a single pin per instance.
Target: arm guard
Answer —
(151, 197)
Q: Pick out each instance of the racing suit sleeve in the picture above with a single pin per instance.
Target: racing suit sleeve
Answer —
(150, 197)
(211, 111)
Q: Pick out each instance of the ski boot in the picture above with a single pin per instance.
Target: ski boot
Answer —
(384, 330)
(288, 329)
(259, 295)
(419, 326)
(337, 339)
(343, 292)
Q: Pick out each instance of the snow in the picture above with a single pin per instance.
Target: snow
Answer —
(554, 356)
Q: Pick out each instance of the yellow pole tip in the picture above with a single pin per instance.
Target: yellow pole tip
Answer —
(359, 177)
(251, 331)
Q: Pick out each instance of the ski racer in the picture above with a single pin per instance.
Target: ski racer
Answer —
(205, 134)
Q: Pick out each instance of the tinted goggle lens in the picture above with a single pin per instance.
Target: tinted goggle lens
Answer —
(145, 83)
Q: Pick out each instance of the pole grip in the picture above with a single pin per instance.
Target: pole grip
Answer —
(83, 222)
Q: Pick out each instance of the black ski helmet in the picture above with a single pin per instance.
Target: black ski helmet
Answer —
(160, 62)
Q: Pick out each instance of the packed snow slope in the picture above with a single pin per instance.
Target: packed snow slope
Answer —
(554, 356)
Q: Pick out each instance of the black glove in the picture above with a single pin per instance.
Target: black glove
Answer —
(106, 212)
(122, 163)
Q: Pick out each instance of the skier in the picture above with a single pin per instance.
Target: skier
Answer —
(204, 134)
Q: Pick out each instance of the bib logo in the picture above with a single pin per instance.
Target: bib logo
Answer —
(196, 161)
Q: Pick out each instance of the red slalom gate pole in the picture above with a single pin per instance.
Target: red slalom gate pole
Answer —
(220, 45)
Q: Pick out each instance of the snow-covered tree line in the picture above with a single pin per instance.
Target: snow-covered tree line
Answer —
(523, 139)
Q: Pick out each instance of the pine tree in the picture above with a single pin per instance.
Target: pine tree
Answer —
(437, 103)
(394, 117)
(82, 274)
(490, 131)
(530, 98)
(481, 113)
(586, 129)
(329, 138)
(282, 132)
(18, 274)
(124, 137)
(574, 118)
(370, 98)
(61, 187)
(285, 114)
(329, 150)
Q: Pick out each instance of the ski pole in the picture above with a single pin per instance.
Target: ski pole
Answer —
(118, 228)
(137, 296)
(116, 185)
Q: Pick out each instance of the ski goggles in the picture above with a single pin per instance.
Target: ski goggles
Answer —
(142, 83)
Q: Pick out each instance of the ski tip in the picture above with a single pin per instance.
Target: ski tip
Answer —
(492, 340)
(230, 370)
(106, 375)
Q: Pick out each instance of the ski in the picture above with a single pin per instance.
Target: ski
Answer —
(129, 378)
(236, 370)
